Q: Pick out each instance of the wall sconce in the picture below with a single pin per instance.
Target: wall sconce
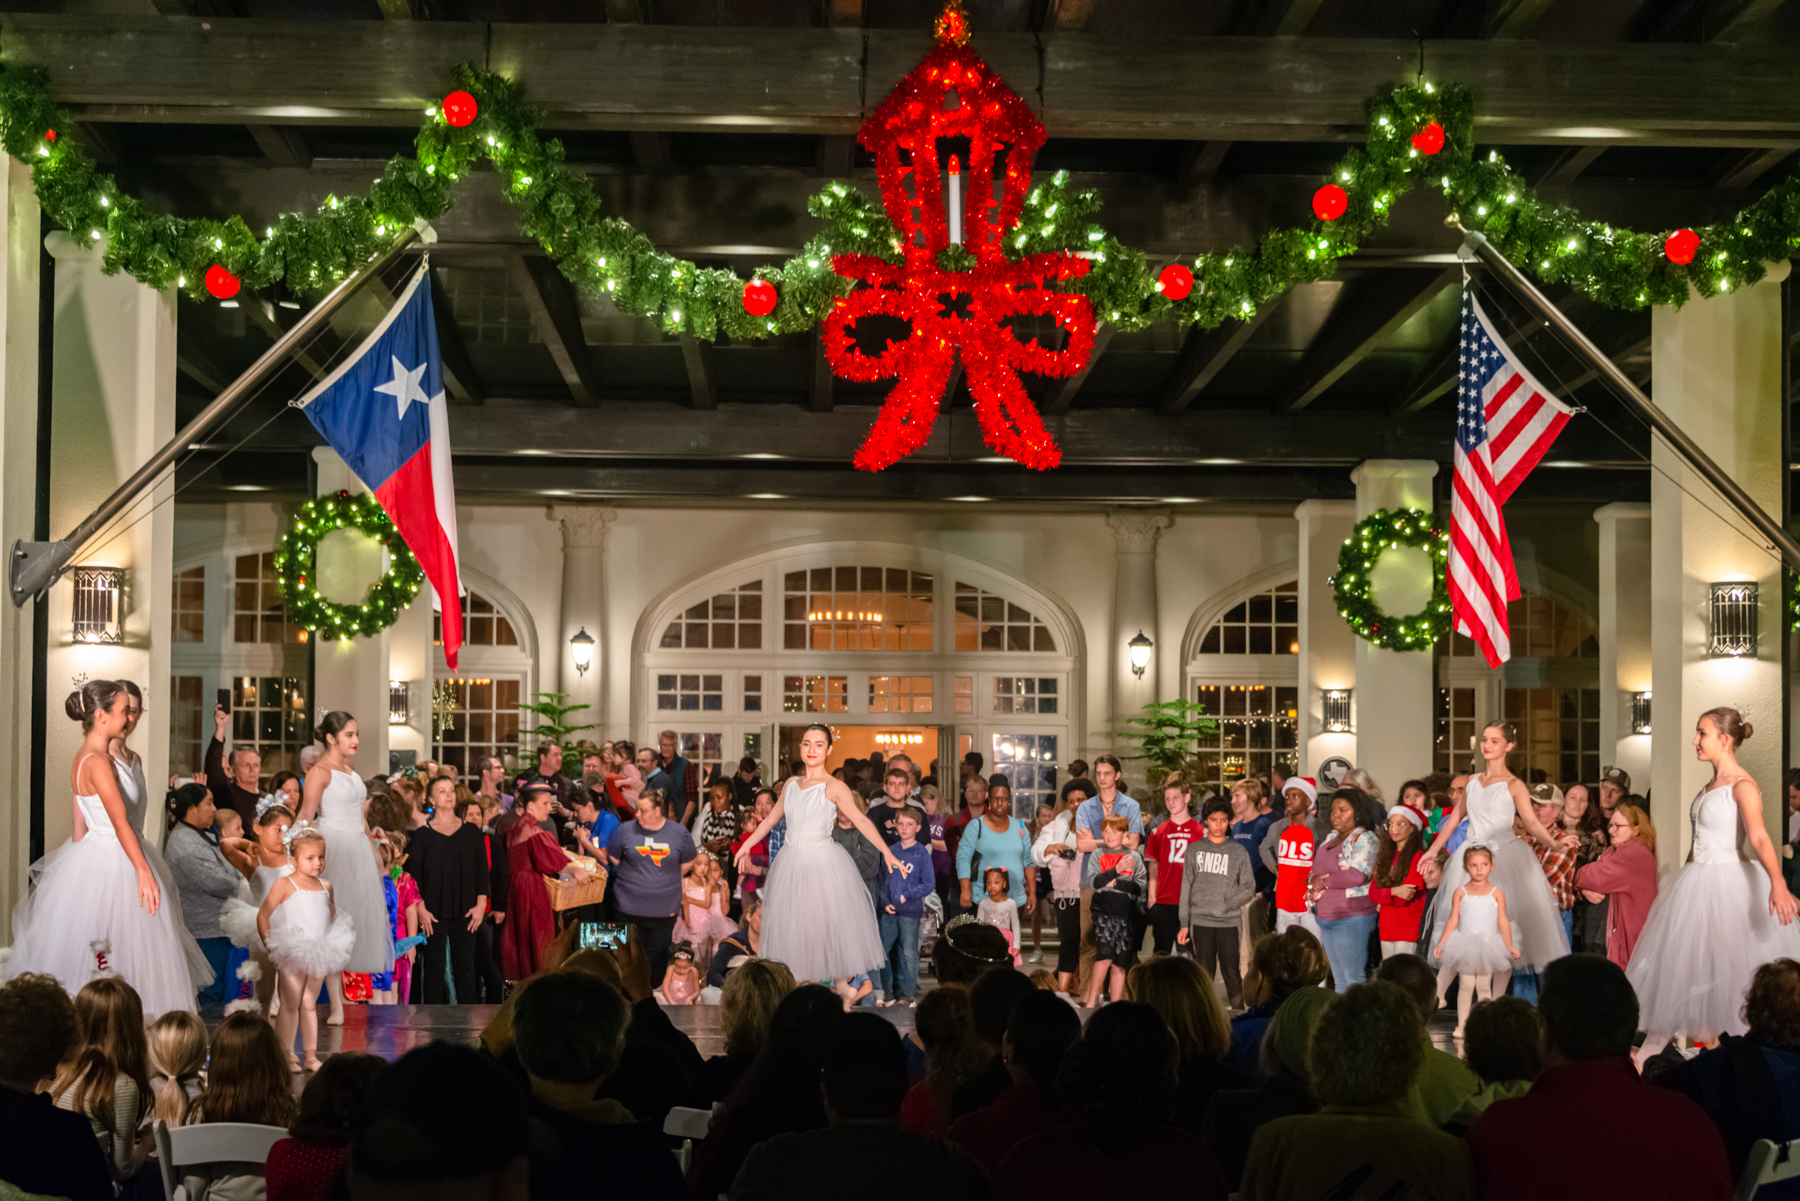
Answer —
(1140, 654)
(99, 608)
(1335, 710)
(399, 703)
(1733, 619)
(582, 647)
(1640, 713)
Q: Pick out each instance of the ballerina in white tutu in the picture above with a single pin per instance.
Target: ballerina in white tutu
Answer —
(1722, 918)
(308, 939)
(333, 800)
(818, 918)
(1477, 943)
(272, 862)
(1492, 800)
(95, 906)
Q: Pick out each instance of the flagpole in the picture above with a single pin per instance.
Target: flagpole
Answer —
(34, 566)
(1633, 396)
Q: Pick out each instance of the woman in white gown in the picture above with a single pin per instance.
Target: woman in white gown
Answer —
(817, 915)
(1721, 918)
(1492, 800)
(334, 799)
(96, 904)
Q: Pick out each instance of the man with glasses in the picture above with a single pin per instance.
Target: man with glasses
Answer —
(1558, 863)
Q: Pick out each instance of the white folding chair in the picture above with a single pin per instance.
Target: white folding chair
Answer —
(210, 1142)
(690, 1126)
(1768, 1163)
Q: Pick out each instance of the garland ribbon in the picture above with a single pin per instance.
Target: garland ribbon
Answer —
(296, 568)
(1371, 538)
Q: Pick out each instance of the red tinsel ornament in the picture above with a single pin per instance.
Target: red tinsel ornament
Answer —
(1176, 281)
(953, 94)
(1429, 140)
(221, 283)
(759, 298)
(1681, 246)
(1330, 202)
(460, 108)
(49, 135)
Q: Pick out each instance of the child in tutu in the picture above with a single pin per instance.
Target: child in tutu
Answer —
(307, 938)
(270, 862)
(702, 919)
(681, 983)
(1477, 943)
(999, 909)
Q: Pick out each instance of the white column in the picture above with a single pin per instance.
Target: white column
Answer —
(18, 505)
(411, 661)
(1394, 688)
(583, 608)
(352, 673)
(114, 397)
(1716, 368)
(1624, 634)
(1327, 644)
(1135, 532)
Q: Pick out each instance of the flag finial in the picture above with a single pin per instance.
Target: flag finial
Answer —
(952, 24)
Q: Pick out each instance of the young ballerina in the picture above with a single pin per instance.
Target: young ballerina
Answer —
(818, 917)
(308, 939)
(1721, 918)
(1477, 943)
(681, 983)
(702, 919)
(334, 799)
(97, 903)
(272, 862)
(1491, 801)
(999, 909)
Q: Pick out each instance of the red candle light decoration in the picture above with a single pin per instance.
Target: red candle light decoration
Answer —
(221, 283)
(1003, 134)
(1430, 139)
(1681, 246)
(1330, 202)
(1175, 281)
(460, 108)
(759, 298)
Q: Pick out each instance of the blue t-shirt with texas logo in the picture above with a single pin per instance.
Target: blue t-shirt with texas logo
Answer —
(646, 867)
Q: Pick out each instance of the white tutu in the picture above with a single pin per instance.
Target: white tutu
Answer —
(85, 893)
(1530, 905)
(817, 915)
(238, 919)
(300, 940)
(1475, 954)
(1707, 933)
(355, 873)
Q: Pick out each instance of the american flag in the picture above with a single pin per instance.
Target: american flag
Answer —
(1505, 421)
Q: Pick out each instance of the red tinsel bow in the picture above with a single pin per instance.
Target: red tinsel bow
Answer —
(953, 94)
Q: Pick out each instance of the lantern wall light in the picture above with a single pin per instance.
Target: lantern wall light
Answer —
(1139, 649)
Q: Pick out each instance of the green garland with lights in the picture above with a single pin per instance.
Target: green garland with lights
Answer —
(310, 252)
(296, 568)
(1371, 538)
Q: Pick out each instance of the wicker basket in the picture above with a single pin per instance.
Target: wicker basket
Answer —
(573, 896)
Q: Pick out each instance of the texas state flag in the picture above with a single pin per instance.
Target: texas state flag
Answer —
(383, 411)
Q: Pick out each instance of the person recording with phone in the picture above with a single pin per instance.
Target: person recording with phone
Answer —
(235, 780)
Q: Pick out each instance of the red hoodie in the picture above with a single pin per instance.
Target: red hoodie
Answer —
(1293, 864)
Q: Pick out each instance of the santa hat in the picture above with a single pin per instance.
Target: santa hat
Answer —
(1304, 784)
(1411, 813)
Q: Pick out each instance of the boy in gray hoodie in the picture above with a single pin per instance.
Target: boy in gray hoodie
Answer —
(1216, 884)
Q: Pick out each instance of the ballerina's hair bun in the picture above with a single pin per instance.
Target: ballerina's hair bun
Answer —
(1731, 723)
(332, 724)
(95, 696)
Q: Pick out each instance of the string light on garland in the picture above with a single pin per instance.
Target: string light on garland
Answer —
(1681, 246)
(986, 263)
(221, 283)
(460, 108)
(1175, 281)
(296, 568)
(759, 298)
(1330, 202)
(1372, 537)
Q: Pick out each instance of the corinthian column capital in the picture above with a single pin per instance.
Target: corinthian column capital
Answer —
(582, 525)
(1136, 530)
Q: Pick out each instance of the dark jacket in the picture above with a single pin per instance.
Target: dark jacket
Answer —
(1751, 1091)
(867, 1161)
(1234, 1116)
(600, 1154)
(50, 1151)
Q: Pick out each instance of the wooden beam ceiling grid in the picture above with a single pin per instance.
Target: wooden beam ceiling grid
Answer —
(461, 379)
(557, 317)
(1365, 315)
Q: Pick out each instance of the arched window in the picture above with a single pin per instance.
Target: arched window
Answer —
(483, 624)
(985, 622)
(1265, 624)
(856, 609)
(730, 620)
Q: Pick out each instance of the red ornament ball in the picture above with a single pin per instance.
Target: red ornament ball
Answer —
(221, 283)
(1177, 281)
(1681, 246)
(759, 298)
(460, 108)
(49, 135)
(1330, 202)
(1429, 140)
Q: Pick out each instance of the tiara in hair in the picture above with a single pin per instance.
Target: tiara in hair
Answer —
(296, 830)
(268, 802)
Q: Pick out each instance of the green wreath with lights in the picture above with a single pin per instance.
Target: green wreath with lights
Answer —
(296, 567)
(1793, 601)
(1373, 536)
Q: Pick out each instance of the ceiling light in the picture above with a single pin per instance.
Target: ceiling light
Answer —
(765, 496)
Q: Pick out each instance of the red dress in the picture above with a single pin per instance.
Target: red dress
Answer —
(1400, 920)
(530, 922)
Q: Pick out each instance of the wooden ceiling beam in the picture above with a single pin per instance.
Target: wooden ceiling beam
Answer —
(822, 387)
(651, 150)
(460, 378)
(1513, 18)
(1567, 166)
(1199, 162)
(841, 14)
(557, 315)
(697, 355)
(1278, 18)
(811, 80)
(1364, 316)
(263, 314)
(1744, 169)
(1203, 355)
(282, 145)
(1066, 390)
